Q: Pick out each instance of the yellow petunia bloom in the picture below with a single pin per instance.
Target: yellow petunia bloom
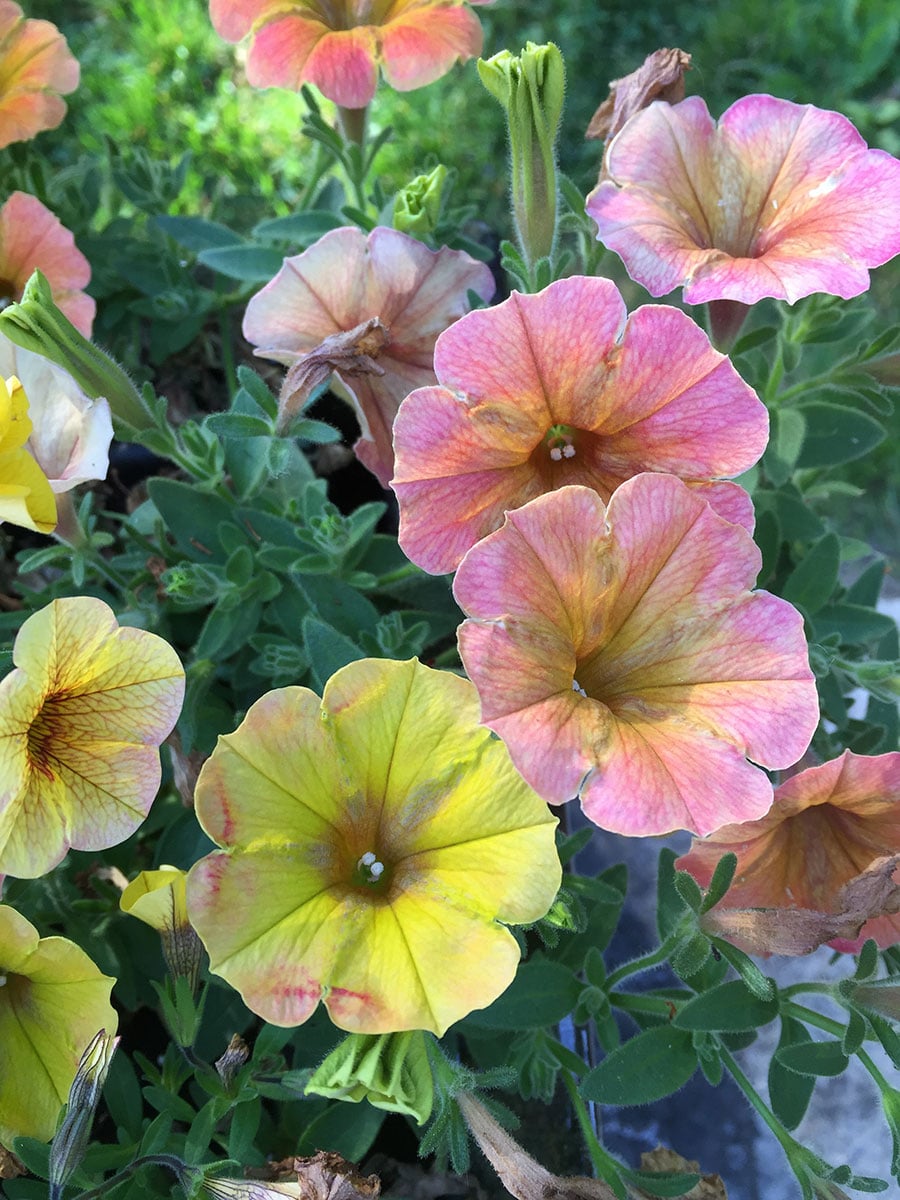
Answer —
(373, 844)
(81, 720)
(159, 899)
(53, 1000)
(25, 495)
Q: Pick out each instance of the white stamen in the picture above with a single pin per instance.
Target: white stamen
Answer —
(376, 869)
(576, 687)
(2, 980)
(556, 454)
(370, 868)
(568, 450)
(367, 859)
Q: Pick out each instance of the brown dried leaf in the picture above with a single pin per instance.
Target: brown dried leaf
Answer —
(796, 931)
(662, 1158)
(660, 77)
(327, 1176)
(521, 1175)
(10, 1167)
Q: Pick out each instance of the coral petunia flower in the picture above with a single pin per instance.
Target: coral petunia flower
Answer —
(342, 281)
(26, 497)
(779, 199)
(71, 434)
(373, 841)
(36, 71)
(32, 238)
(559, 388)
(826, 827)
(622, 657)
(81, 719)
(53, 1001)
(339, 44)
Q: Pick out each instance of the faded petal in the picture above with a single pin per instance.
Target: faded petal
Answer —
(53, 1000)
(80, 722)
(617, 651)
(344, 280)
(36, 70)
(558, 388)
(779, 199)
(827, 826)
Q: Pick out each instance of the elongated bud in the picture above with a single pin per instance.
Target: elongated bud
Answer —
(417, 207)
(35, 323)
(390, 1070)
(159, 899)
(531, 88)
(71, 1140)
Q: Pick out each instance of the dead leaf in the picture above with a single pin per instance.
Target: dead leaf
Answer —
(662, 1158)
(10, 1167)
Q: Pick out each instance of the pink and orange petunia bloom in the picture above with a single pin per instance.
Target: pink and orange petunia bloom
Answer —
(375, 843)
(81, 718)
(560, 388)
(341, 282)
(36, 71)
(827, 826)
(338, 45)
(778, 199)
(32, 238)
(622, 657)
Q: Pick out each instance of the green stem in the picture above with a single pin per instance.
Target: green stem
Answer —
(756, 1102)
(408, 571)
(231, 378)
(169, 1161)
(775, 377)
(801, 1013)
(644, 963)
(353, 124)
(641, 1002)
(600, 1160)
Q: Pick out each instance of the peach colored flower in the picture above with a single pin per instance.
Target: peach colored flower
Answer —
(622, 657)
(81, 720)
(36, 70)
(826, 827)
(71, 434)
(779, 199)
(53, 1000)
(374, 844)
(343, 281)
(31, 237)
(339, 44)
(559, 388)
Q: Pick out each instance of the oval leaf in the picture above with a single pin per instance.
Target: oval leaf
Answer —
(731, 1008)
(651, 1065)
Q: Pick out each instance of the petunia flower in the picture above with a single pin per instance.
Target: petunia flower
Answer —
(372, 843)
(53, 1000)
(71, 434)
(81, 718)
(339, 44)
(31, 237)
(26, 497)
(621, 655)
(559, 388)
(159, 899)
(828, 826)
(778, 199)
(36, 71)
(343, 281)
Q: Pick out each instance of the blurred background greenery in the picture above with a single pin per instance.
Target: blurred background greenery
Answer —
(164, 122)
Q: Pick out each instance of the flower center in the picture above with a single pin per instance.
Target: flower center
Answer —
(43, 731)
(369, 869)
(560, 442)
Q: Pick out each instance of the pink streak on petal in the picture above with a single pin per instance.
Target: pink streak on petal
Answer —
(659, 775)
(421, 47)
(279, 51)
(729, 500)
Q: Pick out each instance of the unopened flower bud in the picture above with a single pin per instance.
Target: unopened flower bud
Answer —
(36, 324)
(390, 1070)
(71, 1140)
(417, 207)
(531, 88)
(159, 899)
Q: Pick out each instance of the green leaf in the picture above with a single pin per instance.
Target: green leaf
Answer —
(348, 1130)
(651, 1065)
(663, 1183)
(327, 649)
(813, 1058)
(34, 1154)
(789, 1092)
(122, 1093)
(855, 1033)
(238, 425)
(814, 578)
(689, 890)
(249, 264)
(191, 516)
(731, 1007)
(788, 430)
(670, 907)
(837, 434)
(542, 993)
(302, 228)
(720, 882)
(691, 956)
(853, 623)
(758, 984)
(196, 233)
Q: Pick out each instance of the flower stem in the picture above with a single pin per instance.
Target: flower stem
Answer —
(756, 1102)
(600, 1160)
(660, 954)
(169, 1161)
(353, 124)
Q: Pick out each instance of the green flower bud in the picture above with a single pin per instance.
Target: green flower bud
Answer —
(390, 1070)
(35, 323)
(71, 1139)
(417, 207)
(531, 88)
